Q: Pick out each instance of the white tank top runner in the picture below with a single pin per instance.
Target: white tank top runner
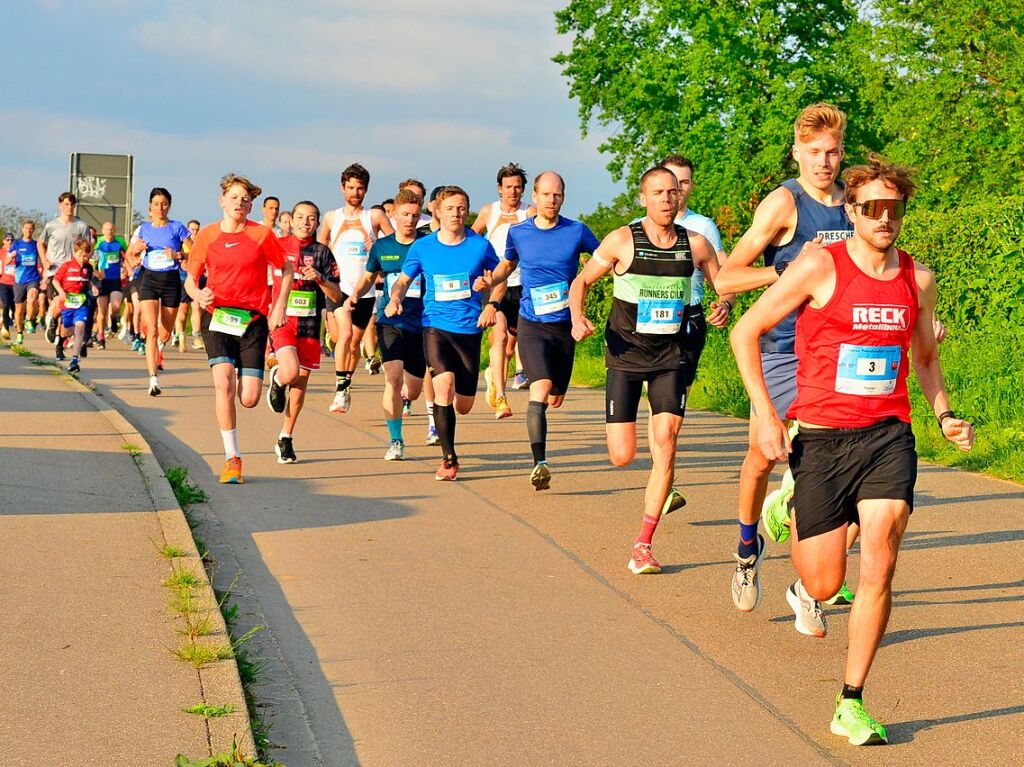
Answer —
(497, 233)
(350, 240)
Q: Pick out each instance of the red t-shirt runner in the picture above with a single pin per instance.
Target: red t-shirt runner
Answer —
(852, 362)
(7, 267)
(74, 278)
(236, 265)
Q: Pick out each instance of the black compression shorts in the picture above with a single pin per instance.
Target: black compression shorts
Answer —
(666, 393)
(457, 353)
(547, 350)
(397, 344)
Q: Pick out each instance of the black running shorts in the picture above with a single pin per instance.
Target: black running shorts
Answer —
(248, 352)
(361, 314)
(402, 346)
(546, 350)
(666, 393)
(457, 353)
(836, 468)
(164, 287)
(112, 285)
(21, 291)
(509, 306)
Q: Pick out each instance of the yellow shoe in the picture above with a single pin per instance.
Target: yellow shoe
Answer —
(232, 474)
(492, 393)
(501, 409)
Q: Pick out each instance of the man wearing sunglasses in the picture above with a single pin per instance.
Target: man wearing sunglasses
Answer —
(806, 208)
(861, 305)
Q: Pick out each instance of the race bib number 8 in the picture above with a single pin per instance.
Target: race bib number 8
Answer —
(74, 301)
(452, 287)
(867, 370)
(659, 316)
(550, 298)
(301, 303)
(230, 321)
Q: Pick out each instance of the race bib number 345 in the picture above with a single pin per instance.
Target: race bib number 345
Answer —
(867, 370)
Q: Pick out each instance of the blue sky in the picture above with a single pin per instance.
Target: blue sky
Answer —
(289, 94)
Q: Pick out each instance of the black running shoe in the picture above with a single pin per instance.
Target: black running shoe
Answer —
(59, 354)
(73, 365)
(277, 395)
(285, 451)
(51, 330)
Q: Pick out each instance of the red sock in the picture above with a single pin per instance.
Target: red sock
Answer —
(647, 531)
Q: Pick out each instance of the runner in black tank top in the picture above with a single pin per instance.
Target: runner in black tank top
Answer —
(651, 262)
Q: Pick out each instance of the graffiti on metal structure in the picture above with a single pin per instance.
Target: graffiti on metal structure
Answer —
(92, 188)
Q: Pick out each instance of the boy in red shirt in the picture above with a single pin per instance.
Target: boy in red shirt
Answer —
(73, 283)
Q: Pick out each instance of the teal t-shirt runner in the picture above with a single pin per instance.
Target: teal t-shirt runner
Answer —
(108, 258)
(449, 271)
(388, 256)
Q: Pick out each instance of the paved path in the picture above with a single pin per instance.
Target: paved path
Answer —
(87, 674)
(412, 622)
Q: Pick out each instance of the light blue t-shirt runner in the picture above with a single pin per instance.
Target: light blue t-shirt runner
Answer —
(705, 226)
(388, 257)
(157, 238)
(449, 271)
(548, 262)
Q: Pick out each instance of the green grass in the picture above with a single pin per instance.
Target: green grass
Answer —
(185, 490)
(202, 654)
(234, 759)
(167, 551)
(208, 711)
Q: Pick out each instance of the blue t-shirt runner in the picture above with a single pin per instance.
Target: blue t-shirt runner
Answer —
(388, 256)
(548, 262)
(449, 271)
(108, 258)
(26, 259)
(157, 238)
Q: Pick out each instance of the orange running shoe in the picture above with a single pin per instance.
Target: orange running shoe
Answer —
(232, 474)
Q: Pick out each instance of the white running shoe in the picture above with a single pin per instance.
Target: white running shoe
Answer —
(154, 386)
(396, 452)
(810, 620)
(342, 402)
(746, 582)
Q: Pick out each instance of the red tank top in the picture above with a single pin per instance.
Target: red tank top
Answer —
(852, 362)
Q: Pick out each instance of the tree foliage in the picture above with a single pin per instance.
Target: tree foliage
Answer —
(720, 82)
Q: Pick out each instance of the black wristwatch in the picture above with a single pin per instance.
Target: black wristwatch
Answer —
(780, 267)
(495, 304)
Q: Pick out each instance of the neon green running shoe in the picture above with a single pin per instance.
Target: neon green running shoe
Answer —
(675, 501)
(855, 724)
(775, 511)
(842, 597)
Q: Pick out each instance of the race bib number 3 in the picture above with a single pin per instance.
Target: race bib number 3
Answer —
(301, 303)
(452, 287)
(659, 316)
(230, 321)
(867, 370)
(550, 298)
(74, 301)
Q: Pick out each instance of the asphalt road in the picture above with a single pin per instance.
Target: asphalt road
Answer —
(413, 622)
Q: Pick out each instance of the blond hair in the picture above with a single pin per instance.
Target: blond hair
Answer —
(408, 197)
(233, 179)
(820, 118)
(451, 191)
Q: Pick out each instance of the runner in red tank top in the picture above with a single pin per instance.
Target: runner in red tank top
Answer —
(861, 306)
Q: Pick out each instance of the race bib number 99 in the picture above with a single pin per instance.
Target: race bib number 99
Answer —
(452, 287)
(867, 370)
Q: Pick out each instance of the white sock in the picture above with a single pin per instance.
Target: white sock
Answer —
(154, 381)
(430, 412)
(230, 439)
(284, 435)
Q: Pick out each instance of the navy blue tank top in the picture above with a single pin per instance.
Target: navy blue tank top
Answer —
(812, 219)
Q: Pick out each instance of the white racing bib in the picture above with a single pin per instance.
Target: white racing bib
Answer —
(158, 260)
(867, 370)
(415, 287)
(550, 298)
(660, 316)
(452, 287)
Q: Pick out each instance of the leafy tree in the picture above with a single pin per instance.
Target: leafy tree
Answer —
(945, 80)
(720, 81)
(11, 218)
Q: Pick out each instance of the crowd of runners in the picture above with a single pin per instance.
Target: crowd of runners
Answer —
(408, 288)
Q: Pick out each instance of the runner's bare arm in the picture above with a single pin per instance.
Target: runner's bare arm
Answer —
(603, 260)
(800, 283)
(774, 217)
(480, 224)
(277, 316)
(360, 290)
(925, 356)
(706, 259)
(324, 238)
(381, 223)
(500, 274)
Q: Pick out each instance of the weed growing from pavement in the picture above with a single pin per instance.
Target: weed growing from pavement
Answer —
(208, 711)
(167, 551)
(234, 759)
(185, 490)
